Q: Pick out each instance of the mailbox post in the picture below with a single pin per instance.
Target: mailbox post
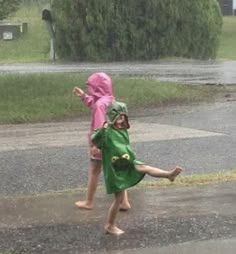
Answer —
(47, 17)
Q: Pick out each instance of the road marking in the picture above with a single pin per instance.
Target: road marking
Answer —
(23, 137)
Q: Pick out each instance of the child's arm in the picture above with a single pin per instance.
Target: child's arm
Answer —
(88, 100)
(78, 91)
(98, 136)
(94, 151)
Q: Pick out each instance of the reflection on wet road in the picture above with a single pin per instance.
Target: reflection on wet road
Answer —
(189, 72)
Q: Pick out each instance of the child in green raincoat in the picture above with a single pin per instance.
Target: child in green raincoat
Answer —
(120, 167)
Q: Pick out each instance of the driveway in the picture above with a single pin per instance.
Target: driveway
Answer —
(196, 219)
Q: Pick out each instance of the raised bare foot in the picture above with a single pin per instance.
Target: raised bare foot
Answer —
(113, 230)
(125, 207)
(84, 205)
(175, 172)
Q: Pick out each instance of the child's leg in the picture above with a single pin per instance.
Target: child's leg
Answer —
(157, 172)
(110, 226)
(93, 177)
(125, 205)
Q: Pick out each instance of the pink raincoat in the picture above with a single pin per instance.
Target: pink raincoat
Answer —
(98, 98)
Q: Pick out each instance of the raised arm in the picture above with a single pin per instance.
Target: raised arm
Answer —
(88, 100)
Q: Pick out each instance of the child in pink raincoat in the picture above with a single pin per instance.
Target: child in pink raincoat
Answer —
(98, 97)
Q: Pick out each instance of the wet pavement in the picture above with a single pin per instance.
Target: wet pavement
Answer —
(175, 219)
(37, 158)
(204, 247)
(188, 72)
(42, 164)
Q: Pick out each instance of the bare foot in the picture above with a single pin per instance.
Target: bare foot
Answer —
(125, 207)
(84, 205)
(113, 230)
(175, 172)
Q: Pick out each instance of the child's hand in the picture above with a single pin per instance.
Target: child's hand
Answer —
(105, 125)
(77, 91)
(94, 151)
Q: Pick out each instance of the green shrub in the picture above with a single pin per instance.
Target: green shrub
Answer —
(7, 7)
(117, 30)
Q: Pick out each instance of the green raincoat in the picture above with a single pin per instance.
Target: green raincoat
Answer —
(118, 159)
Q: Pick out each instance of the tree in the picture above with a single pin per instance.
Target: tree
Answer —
(7, 7)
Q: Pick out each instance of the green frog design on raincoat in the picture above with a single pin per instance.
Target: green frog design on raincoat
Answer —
(118, 158)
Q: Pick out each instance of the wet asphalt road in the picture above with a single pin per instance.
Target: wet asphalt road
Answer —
(51, 157)
(189, 72)
(162, 220)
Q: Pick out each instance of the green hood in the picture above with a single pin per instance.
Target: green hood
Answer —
(114, 110)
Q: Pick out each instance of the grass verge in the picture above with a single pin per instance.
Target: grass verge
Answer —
(195, 179)
(7, 252)
(227, 49)
(33, 98)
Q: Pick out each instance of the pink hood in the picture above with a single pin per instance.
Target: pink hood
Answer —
(99, 85)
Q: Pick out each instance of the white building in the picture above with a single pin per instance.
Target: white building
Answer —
(227, 7)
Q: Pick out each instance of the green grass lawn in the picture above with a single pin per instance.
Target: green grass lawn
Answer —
(7, 252)
(45, 97)
(227, 48)
(34, 45)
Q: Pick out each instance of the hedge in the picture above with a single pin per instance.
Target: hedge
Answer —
(121, 30)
